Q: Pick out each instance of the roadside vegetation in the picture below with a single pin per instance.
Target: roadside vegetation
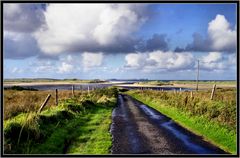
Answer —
(188, 84)
(205, 82)
(21, 100)
(214, 119)
(78, 125)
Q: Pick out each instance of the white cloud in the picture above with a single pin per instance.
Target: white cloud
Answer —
(212, 57)
(170, 60)
(213, 61)
(19, 45)
(221, 35)
(159, 61)
(70, 27)
(65, 68)
(91, 60)
(42, 66)
(16, 70)
(135, 60)
(22, 17)
(116, 22)
(232, 59)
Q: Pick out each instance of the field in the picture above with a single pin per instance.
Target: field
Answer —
(214, 119)
(79, 124)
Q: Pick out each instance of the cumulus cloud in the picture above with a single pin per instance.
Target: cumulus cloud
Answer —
(135, 60)
(65, 68)
(107, 26)
(220, 38)
(232, 59)
(199, 44)
(212, 57)
(43, 66)
(53, 29)
(22, 17)
(172, 61)
(19, 46)
(221, 35)
(160, 61)
(91, 60)
(157, 42)
(213, 61)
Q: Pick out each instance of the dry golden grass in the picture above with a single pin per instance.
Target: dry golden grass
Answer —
(16, 102)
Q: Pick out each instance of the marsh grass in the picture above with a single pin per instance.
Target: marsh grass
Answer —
(16, 102)
(56, 128)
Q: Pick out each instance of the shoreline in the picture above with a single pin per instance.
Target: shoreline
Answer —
(122, 84)
(53, 83)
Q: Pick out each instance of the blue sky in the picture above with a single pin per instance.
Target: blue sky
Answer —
(124, 41)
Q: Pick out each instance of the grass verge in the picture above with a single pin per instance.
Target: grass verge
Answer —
(79, 125)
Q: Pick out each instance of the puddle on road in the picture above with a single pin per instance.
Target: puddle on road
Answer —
(120, 112)
(186, 139)
(151, 113)
(164, 122)
(189, 140)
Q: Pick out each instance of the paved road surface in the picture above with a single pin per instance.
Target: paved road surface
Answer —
(139, 129)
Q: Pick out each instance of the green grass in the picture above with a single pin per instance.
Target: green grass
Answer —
(98, 140)
(206, 82)
(80, 135)
(210, 82)
(217, 133)
(78, 125)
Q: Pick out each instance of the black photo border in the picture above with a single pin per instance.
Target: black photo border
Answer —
(122, 1)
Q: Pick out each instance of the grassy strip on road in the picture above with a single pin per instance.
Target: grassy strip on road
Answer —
(204, 120)
(78, 125)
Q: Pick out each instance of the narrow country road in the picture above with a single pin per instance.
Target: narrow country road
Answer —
(139, 129)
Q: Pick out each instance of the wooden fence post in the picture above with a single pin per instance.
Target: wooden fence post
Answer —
(191, 94)
(73, 90)
(56, 97)
(88, 89)
(213, 92)
(44, 103)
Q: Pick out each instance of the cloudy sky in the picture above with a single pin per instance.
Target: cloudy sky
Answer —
(124, 41)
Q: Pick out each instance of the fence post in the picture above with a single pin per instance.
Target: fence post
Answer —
(180, 89)
(56, 97)
(88, 89)
(44, 103)
(191, 94)
(213, 91)
(73, 90)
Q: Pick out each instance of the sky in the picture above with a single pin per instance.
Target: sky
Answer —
(120, 41)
